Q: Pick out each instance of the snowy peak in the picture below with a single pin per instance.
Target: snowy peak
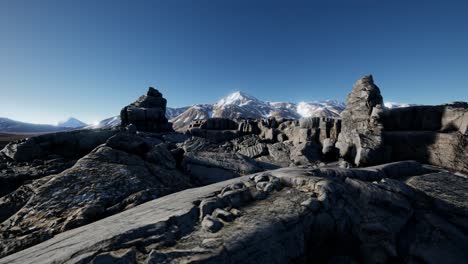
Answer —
(391, 105)
(328, 108)
(71, 123)
(237, 98)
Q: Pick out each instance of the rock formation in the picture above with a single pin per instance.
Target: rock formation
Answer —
(148, 113)
(431, 134)
(291, 215)
(137, 194)
(360, 140)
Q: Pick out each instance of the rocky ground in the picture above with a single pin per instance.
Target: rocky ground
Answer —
(242, 191)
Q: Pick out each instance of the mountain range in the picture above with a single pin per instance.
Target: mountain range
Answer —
(235, 105)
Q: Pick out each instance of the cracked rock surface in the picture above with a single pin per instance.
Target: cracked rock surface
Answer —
(392, 213)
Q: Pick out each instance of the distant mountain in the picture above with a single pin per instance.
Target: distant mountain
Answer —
(106, 123)
(173, 112)
(239, 104)
(391, 105)
(17, 127)
(72, 123)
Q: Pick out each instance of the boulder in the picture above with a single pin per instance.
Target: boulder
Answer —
(148, 113)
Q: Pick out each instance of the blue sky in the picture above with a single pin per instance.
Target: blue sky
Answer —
(88, 59)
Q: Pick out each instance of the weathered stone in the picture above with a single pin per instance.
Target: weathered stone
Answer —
(148, 113)
(211, 224)
(360, 140)
(73, 144)
(207, 167)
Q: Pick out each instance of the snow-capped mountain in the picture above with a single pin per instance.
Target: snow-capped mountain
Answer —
(328, 108)
(106, 123)
(172, 112)
(71, 123)
(391, 105)
(239, 104)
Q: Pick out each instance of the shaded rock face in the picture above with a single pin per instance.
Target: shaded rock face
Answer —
(291, 215)
(206, 167)
(430, 134)
(65, 144)
(360, 140)
(118, 175)
(148, 113)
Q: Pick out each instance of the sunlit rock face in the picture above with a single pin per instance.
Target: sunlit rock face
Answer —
(148, 113)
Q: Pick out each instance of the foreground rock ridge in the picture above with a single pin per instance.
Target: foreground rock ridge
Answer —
(240, 190)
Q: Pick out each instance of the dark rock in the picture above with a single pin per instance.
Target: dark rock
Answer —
(129, 143)
(211, 224)
(148, 113)
(73, 144)
(102, 183)
(324, 216)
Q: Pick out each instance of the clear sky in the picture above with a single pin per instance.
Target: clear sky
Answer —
(89, 58)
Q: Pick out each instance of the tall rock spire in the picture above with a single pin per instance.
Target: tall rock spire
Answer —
(360, 140)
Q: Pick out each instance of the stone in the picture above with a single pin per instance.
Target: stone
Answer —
(329, 151)
(360, 140)
(211, 224)
(360, 219)
(223, 215)
(129, 143)
(208, 167)
(148, 113)
(102, 183)
(160, 155)
(72, 144)
(311, 204)
(117, 257)
(131, 128)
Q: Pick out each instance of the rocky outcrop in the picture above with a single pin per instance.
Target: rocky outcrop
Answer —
(124, 172)
(148, 113)
(360, 140)
(283, 216)
(430, 134)
(208, 167)
(73, 144)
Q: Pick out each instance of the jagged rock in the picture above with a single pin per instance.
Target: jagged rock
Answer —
(254, 151)
(329, 151)
(360, 140)
(104, 182)
(351, 215)
(148, 113)
(129, 143)
(305, 153)
(218, 124)
(73, 144)
(208, 167)
(160, 155)
(211, 224)
(215, 136)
